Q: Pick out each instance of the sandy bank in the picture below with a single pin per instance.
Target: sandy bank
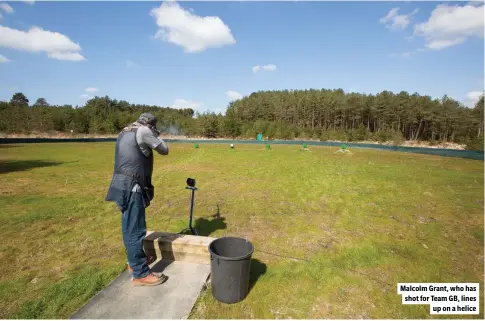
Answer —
(446, 145)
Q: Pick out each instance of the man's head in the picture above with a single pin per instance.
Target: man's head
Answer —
(147, 119)
(150, 121)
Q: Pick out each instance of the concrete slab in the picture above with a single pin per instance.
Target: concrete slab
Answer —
(172, 300)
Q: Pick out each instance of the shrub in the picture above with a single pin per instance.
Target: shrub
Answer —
(397, 138)
(475, 144)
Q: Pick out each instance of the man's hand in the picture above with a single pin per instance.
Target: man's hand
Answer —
(151, 139)
(155, 130)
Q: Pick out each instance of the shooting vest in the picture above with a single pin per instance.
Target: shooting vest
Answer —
(131, 167)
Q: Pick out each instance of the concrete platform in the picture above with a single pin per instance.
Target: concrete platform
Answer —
(178, 247)
(172, 300)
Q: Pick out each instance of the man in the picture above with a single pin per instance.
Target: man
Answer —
(132, 190)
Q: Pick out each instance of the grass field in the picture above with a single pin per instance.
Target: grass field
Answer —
(333, 234)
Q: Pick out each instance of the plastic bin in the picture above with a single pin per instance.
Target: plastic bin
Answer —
(230, 268)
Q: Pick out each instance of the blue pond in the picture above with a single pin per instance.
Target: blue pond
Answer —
(469, 154)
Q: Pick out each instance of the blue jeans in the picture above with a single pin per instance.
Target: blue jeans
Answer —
(134, 230)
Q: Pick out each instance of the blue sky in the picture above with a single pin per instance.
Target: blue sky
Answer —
(203, 54)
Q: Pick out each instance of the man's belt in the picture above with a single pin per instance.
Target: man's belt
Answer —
(130, 174)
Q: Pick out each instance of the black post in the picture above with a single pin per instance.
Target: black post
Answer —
(193, 189)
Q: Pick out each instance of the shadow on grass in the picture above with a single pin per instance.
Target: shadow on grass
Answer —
(7, 166)
(257, 269)
(205, 227)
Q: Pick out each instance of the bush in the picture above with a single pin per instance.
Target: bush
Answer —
(362, 133)
(305, 133)
(260, 126)
(250, 133)
(397, 138)
(383, 136)
(475, 144)
(287, 133)
(333, 135)
(386, 135)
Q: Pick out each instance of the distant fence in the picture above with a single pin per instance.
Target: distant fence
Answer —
(469, 154)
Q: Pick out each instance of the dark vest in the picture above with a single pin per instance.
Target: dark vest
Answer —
(130, 161)
(131, 167)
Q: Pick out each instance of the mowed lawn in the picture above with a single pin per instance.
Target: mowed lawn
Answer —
(333, 233)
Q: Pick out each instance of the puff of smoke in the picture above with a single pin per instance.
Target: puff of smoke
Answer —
(171, 130)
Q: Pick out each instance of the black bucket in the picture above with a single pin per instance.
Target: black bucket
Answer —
(230, 268)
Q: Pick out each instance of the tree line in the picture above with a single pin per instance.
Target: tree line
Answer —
(318, 114)
(100, 115)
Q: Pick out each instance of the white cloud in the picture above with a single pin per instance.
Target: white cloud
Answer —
(396, 21)
(91, 90)
(233, 95)
(3, 59)
(70, 56)
(6, 7)
(86, 96)
(451, 25)
(192, 32)
(182, 104)
(265, 68)
(473, 97)
(88, 91)
(56, 45)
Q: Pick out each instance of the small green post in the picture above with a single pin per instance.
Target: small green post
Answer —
(268, 146)
(196, 146)
(343, 146)
(304, 146)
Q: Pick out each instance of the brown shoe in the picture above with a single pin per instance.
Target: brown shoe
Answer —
(150, 260)
(149, 280)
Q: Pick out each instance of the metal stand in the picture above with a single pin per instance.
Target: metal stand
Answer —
(193, 189)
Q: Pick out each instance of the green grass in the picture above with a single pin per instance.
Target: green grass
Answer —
(333, 234)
